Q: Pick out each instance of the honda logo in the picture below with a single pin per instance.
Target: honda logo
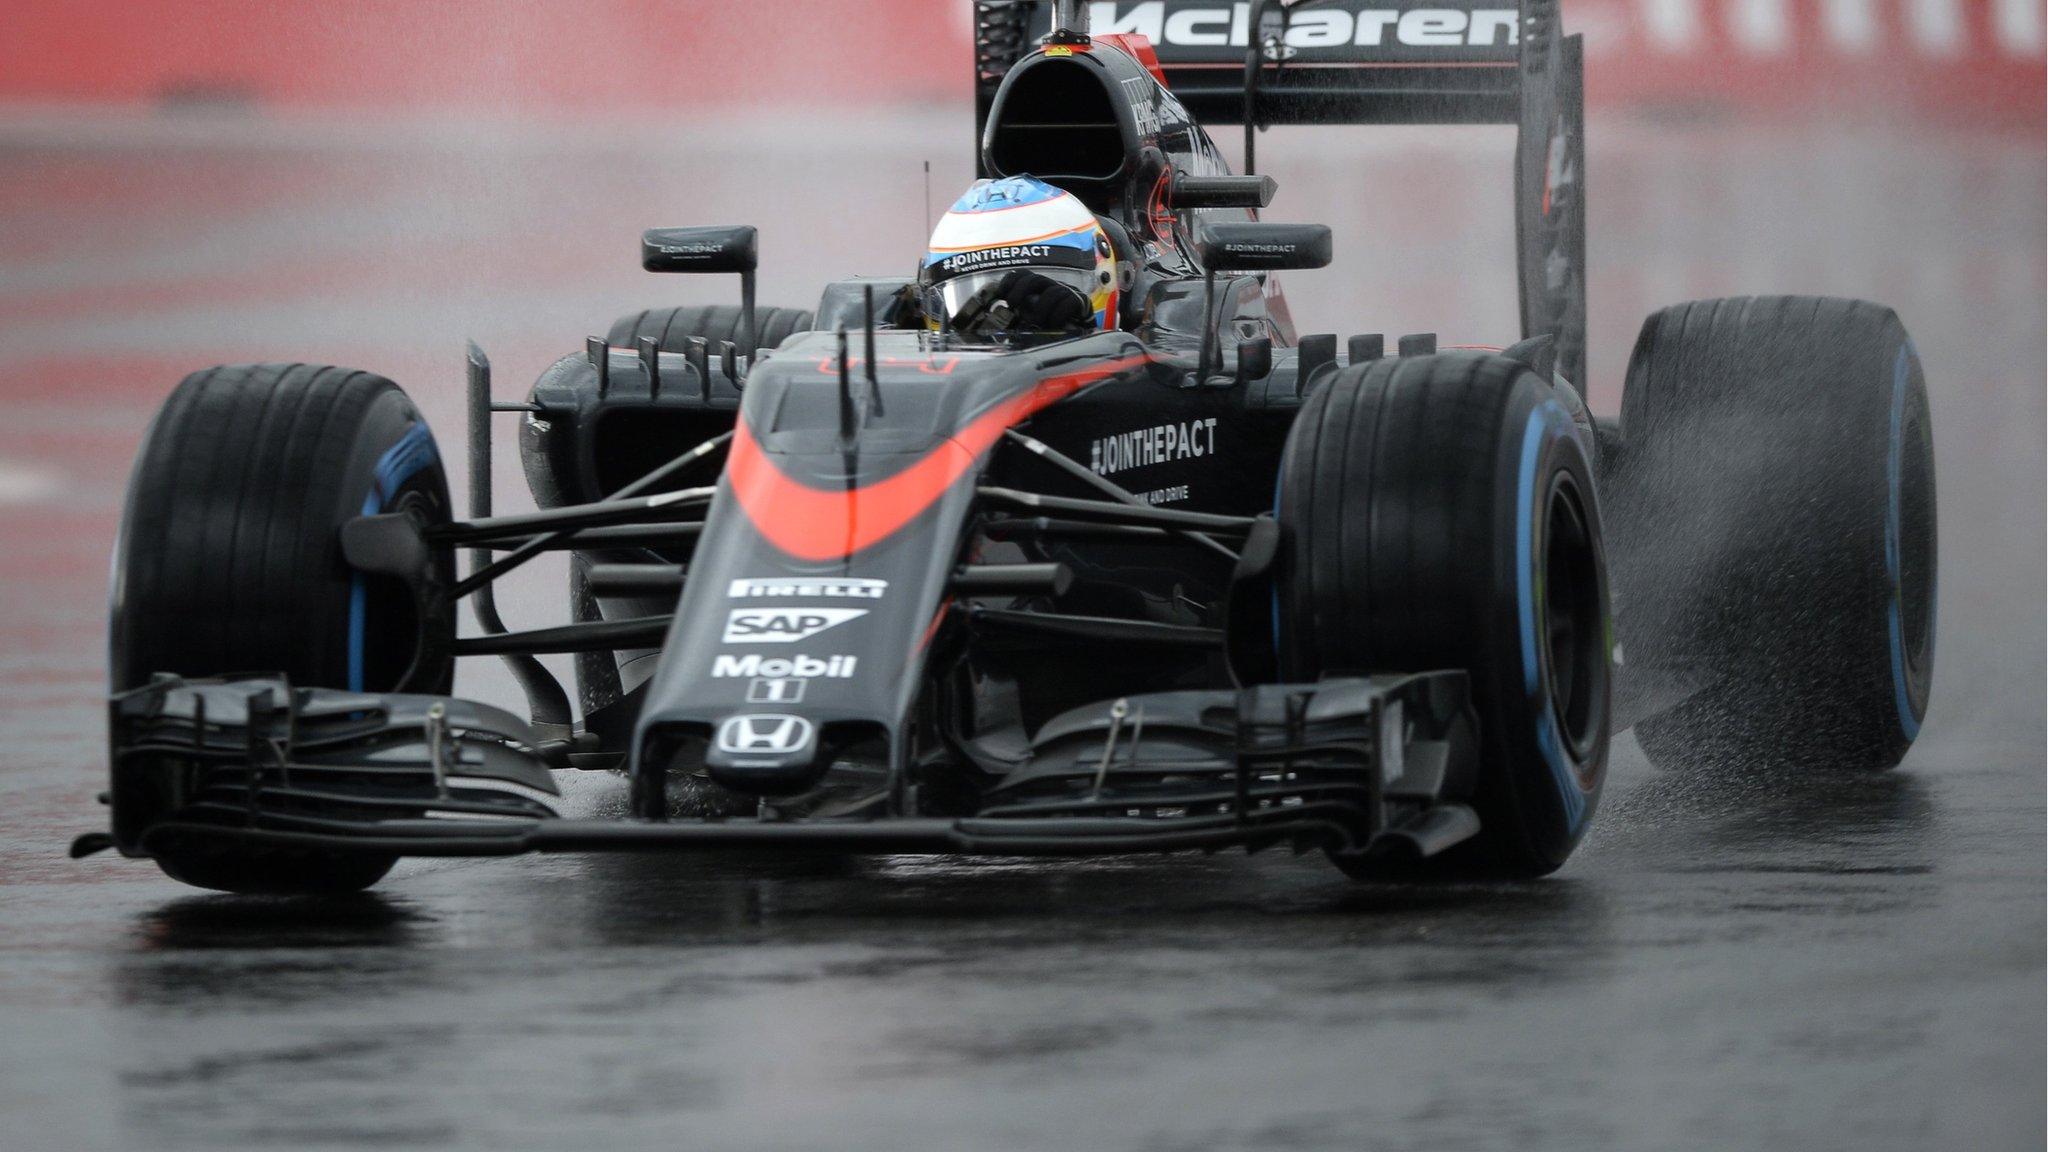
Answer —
(764, 734)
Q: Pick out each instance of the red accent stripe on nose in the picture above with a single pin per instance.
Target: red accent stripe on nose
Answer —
(820, 524)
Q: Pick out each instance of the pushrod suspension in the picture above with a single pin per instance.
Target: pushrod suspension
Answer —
(546, 704)
(1124, 496)
(535, 545)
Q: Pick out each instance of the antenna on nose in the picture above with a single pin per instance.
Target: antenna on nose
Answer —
(867, 292)
(848, 420)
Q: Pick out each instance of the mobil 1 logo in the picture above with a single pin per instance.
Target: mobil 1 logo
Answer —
(779, 680)
(776, 690)
(754, 666)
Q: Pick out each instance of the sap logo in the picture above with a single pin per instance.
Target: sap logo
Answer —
(1156, 445)
(777, 667)
(765, 734)
(784, 625)
(1326, 27)
(770, 587)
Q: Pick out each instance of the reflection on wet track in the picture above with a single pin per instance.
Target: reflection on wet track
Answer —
(1734, 960)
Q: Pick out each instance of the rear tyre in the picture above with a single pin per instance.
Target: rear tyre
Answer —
(674, 327)
(598, 673)
(229, 560)
(1440, 513)
(1777, 495)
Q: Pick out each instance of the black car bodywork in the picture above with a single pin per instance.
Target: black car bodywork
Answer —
(880, 589)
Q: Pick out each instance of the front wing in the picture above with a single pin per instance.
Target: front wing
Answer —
(1355, 765)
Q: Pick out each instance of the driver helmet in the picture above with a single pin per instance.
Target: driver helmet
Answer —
(1019, 224)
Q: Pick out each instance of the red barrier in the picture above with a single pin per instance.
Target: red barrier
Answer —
(482, 55)
(1975, 58)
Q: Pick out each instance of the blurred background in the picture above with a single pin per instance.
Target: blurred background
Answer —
(185, 182)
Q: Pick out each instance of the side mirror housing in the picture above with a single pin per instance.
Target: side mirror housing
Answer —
(734, 248)
(731, 248)
(1262, 247)
(1221, 191)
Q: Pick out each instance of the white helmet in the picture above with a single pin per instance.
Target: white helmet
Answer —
(1019, 223)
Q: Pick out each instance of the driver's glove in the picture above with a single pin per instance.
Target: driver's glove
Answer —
(1039, 303)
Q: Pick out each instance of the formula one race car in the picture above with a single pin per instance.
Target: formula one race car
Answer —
(1066, 545)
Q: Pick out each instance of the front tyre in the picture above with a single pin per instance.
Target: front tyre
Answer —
(229, 560)
(1440, 513)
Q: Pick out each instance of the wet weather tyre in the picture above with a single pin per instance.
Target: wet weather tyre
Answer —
(716, 323)
(274, 871)
(1777, 506)
(229, 560)
(1439, 512)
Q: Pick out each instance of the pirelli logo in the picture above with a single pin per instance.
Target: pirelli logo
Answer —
(777, 587)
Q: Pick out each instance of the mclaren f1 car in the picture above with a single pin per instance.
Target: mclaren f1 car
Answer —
(863, 580)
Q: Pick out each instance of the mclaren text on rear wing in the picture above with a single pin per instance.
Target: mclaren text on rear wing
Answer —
(1348, 61)
(1343, 31)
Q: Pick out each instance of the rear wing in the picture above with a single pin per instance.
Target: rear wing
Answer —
(1263, 62)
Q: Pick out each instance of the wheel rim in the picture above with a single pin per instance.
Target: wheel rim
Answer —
(1573, 622)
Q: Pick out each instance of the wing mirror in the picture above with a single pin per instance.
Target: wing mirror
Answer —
(1249, 246)
(714, 249)
(719, 248)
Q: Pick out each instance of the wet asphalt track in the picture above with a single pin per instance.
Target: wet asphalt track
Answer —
(1731, 961)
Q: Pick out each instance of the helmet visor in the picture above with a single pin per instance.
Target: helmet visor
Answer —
(973, 305)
